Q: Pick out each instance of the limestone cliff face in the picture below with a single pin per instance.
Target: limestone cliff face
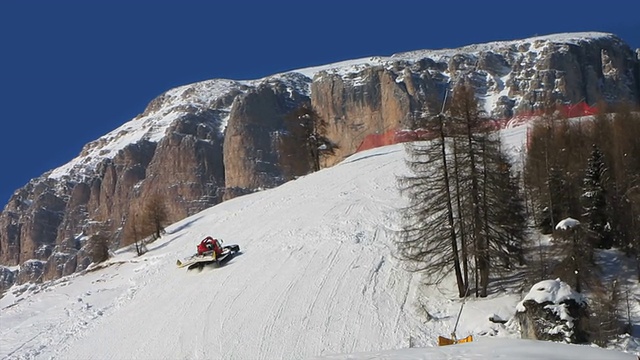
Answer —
(371, 101)
(256, 119)
(509, 78)
(21, 220)
(187, 167)
(206, 142)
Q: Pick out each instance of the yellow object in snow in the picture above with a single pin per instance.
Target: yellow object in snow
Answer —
(442, 341)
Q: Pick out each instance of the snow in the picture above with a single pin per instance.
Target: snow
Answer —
(355, 65)
(443, 54)
(316, 277)
(490, 348)
(343, 67)
(554, 291)
(568, 223)
(491, 98)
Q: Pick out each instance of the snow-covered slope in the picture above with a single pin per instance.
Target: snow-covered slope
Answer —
(492, 348)
(316, 277)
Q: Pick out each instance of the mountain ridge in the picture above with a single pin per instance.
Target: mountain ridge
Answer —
(205, 142)
(344, 67)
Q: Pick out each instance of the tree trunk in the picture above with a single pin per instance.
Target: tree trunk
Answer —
(463, 243)
(483, 265)
(454, 241)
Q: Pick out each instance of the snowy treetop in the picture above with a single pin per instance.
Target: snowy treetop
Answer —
(568, 223)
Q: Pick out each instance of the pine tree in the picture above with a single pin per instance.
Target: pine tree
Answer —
(548, 172)
(466, 214)
(133, 234)
(491, 210)
(594, 200)
(604, 323)
(538, 165)
(304, 142)
(577, 265)
(428, 240)
(556, 183)
(507, 207)
(155, 216)
(471, 143)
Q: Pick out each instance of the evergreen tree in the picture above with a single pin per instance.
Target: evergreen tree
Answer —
(604, 323)
(577, 265)
(480, 211)
(428, 240)
(557, 187)
(594, 200)
(490, 207)
(133, 234)
(510, 225)
(539, 175)
(467, 127)
(304, 142)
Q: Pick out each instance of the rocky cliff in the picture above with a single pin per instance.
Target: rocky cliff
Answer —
(202, 143)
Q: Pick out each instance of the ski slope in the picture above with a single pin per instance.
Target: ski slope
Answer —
(316, 277)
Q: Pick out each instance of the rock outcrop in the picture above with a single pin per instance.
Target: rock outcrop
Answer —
(367, 102)
(206, 142)
(7, 278)
(552, 311)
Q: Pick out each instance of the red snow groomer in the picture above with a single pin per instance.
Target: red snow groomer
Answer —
(210, 250)
(210, 244)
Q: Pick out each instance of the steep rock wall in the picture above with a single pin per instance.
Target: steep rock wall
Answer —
(251, 160)
(369, 102)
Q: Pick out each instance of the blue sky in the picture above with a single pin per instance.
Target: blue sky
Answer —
(71, 71)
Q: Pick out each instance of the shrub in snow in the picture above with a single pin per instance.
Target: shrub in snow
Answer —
(553, 311)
